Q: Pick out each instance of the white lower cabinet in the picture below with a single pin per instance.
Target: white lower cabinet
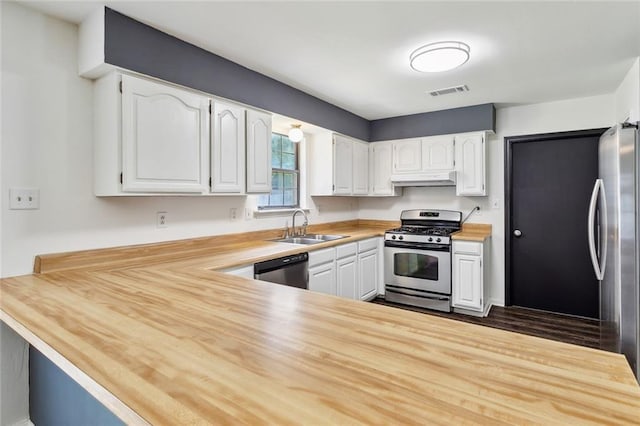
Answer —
(349, 270)
(468, 277)
(322, 271)
(368, 268)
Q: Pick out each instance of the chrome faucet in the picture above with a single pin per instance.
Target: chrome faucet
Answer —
(303, 231)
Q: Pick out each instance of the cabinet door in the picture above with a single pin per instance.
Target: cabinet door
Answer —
(360, 168)
(347, 277)
(258, 152)
(407, 156)
(467, 282)
(227, 148)
(322, 278)
(342, 165)
(164, 138)
(381, 154)
(437, 153)
(470, 160)
(368, 274)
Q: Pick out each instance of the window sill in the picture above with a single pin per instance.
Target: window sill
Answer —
(276, 212)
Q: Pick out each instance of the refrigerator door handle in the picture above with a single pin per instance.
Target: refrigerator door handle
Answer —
(597, 188)
(603, 230)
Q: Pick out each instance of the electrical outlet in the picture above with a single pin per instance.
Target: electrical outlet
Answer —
(495, 203)
(24, 198)
(248, 213)
(233, 213)
(162, 220)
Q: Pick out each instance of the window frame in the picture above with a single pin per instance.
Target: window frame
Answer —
(295, 172)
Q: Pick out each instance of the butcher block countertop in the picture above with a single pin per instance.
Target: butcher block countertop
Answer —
(169, 340)
(473, 232)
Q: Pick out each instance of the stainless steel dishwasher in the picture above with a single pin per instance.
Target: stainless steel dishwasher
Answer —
(289, 270)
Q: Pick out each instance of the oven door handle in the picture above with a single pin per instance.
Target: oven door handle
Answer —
(416, 294)
(417, 246)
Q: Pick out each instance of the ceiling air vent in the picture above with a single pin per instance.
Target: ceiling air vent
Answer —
(448, 90)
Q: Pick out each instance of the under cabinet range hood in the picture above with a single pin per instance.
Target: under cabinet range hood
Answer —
(443, 178)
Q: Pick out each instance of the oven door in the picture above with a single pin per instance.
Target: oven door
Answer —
(419, 269)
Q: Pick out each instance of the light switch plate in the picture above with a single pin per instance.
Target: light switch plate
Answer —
(24, 198)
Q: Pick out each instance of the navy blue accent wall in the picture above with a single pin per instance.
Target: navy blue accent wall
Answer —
(457, 120)
(138, 47)
(56, 400)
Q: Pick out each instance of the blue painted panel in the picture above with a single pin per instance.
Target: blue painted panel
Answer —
(457, 120)
(57, 400)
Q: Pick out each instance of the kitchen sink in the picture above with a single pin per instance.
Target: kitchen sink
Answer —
(323, 237)
(308, 239)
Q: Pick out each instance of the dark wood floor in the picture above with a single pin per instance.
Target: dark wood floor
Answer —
(563, 328)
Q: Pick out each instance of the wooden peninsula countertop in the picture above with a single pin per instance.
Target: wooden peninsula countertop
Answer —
(171, 341)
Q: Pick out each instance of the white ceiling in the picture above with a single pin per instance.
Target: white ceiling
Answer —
(355, 54)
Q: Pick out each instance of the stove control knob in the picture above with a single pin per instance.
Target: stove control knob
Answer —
(438, 239)
(401, 237)
(430, 239)
(393, 237)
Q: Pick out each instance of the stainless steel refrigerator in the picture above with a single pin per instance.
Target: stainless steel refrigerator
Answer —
(614, 243)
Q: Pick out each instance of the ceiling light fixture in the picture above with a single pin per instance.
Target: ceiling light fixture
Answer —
(440, 56)
(295, 133)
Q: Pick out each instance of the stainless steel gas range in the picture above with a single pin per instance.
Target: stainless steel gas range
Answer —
(417, 259)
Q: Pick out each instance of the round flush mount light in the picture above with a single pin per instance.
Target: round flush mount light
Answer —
(295, 133)
(440, 56)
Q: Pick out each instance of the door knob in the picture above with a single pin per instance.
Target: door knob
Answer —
(517, 233)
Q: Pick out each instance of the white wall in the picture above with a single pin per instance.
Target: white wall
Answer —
(573, 114)
(47, 143)
(627, 96)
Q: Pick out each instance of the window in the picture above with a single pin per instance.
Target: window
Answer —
(285, 175)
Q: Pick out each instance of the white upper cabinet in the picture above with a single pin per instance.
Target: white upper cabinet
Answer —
(342, 165)
(407, 156)
(470, 164)
(151, 138)
(258, 152)
(338, 165)
(415, 156)
(437, 153)
(227, 148)
(360, 168)
(380, 167)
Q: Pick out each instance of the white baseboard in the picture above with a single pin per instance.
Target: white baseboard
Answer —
(488, 306)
